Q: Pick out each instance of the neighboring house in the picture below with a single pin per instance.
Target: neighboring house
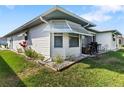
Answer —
(59, 32)
(3, 42)
(123, 40)
(109, 39)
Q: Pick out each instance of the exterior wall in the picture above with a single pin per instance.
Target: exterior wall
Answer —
(40, 40)
(57, 51)
(119, 45)
(105, 39)
(114, 43)
(65, 51)
(2, 41)
(16, 40)
(13, 41)
(72, 51)
(8, 41)
(122, 40)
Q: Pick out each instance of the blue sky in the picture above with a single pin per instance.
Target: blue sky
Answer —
(105, 17)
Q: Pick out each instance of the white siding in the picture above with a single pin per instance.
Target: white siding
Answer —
(58, 51)
(16, 40)
(8, 42)
(72, 51)
(66, 51)
(40, 39)
(105, 39)
(114, 43)
(13, 42)
(117, 41)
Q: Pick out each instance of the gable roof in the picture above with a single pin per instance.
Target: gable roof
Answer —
(54, 13)
(58, 12)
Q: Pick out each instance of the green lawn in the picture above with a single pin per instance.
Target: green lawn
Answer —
(104, 70)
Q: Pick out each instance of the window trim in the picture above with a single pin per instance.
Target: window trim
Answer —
(75, 36)
(58, 34)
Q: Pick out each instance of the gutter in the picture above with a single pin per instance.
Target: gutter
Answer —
(86, 25)
(89, 31)
(41, 18)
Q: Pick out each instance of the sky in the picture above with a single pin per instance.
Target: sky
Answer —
(105, 17)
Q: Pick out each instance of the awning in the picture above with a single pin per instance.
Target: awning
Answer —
(65, 26)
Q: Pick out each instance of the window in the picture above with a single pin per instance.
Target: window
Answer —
(74, 40)
(58, 40)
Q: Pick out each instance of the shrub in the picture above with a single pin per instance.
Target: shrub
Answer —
(31, 53)
(122, 45)
(41, 57)
(58, 59)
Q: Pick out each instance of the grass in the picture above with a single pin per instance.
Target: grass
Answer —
(11, 65)
(103, 70)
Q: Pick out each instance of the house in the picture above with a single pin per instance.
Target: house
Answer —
(122, 40)
(59, 32)
(110, 39)
(3, 42)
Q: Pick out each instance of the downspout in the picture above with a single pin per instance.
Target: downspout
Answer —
(41, 18)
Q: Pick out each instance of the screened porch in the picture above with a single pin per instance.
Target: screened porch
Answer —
(73, 30)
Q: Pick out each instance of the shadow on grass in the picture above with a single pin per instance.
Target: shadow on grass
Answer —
(8, 78)
(113, 61)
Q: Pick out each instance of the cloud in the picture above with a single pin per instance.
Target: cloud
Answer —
(112, 8)
(102, 13)
(11, 7)
(96, 16)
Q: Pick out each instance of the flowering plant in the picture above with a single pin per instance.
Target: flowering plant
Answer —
(23, 44)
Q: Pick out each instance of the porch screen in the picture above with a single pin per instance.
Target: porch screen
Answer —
(73, 40)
